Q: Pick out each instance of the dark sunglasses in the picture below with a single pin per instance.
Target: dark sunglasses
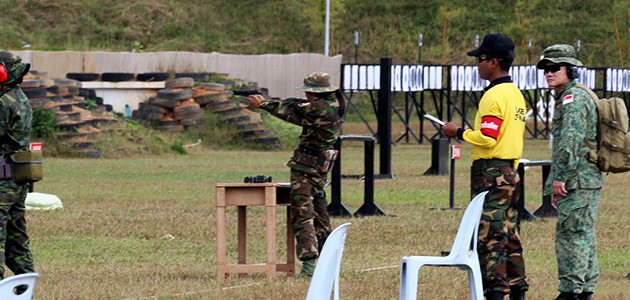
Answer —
(480, 59)
(551, 68)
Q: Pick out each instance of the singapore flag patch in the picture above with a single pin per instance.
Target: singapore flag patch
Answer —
(491, 126)
(567, 99)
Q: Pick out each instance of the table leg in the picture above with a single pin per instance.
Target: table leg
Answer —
(221, 235)
(290, 244)
(242, 236)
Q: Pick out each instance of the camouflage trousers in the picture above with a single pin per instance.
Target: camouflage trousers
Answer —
(14, 241)
(576, 244)
(310, 222)
(499, 246)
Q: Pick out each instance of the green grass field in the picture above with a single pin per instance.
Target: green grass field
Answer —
(144, 228)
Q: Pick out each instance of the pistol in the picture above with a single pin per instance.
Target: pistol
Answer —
(247, 92)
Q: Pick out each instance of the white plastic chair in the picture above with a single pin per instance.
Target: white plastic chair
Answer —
(461, 255)
(328, 266)
(8, 285)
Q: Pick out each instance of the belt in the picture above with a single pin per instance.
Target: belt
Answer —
(480, 164)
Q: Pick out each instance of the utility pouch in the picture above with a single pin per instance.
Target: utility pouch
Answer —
(27, 166)
(326, 160)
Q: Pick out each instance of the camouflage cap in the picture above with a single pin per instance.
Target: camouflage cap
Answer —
(317, 82)
(559, 53)
(14, 67)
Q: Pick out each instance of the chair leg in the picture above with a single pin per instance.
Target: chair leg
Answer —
(409, 281)
(475, 283)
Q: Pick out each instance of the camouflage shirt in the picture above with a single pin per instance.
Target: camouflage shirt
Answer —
(15, 120)
(320, 120)
(574, 122)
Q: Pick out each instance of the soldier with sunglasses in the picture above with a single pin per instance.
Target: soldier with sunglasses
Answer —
(574, 183)
(497, 141)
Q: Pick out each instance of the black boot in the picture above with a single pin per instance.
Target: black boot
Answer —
(585, 296)
(567, 296)
(517, 294)
(495, 295)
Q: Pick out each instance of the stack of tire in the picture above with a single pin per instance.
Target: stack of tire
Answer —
(248, 123)
(74, 124)
(173, 108)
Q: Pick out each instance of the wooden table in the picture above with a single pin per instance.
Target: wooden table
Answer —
(242, 195)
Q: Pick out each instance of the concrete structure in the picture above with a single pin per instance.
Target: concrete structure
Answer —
(124, 96)
(280, 73)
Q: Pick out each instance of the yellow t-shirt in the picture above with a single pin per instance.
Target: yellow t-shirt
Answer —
(499, 124)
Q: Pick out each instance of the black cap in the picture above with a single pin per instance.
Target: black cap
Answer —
(495, 45)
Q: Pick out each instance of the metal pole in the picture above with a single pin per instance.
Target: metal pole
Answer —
(356, 47)
(451, 198)
(420, 42)
(327, 28)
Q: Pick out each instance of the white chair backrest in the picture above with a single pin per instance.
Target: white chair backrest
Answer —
(328, 266)
(8, 285)
(468, 228)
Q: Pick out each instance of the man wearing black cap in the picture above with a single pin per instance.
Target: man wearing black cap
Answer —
(497, 147)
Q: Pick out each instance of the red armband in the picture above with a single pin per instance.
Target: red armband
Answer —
(491, 126)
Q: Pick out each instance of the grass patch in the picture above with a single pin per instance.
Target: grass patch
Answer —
(145, 227)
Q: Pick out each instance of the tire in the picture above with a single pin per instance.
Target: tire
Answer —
(165, 103)
(222, 105)
(87, 93)
(146, 107)
(185, 82)
(66, 107)
(39, 92)
(67, 82)
(84, 76)
(152, 76)
(187, 112)
(206, 99)
(175, 94)
(214, 86)
(194, 76)
(117, 77)
(31, 84)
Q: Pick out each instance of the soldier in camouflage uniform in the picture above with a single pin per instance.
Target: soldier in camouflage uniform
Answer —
(574, 183)
(320, 116)
(15, 132)
(497, 146)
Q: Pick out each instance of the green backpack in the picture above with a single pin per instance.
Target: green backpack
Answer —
(612, 152)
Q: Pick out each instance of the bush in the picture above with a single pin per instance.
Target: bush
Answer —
(44, 123)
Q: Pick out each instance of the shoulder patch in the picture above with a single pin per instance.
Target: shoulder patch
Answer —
(567, 99)
(304, 104)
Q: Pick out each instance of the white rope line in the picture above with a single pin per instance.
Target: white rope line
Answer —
(380, 268)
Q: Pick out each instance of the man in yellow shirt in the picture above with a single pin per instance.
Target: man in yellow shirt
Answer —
(497, 146)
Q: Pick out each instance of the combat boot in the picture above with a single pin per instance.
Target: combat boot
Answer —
(585, 296)
(517, 295)
(308, 268)
(495, 295)
(567, 296)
